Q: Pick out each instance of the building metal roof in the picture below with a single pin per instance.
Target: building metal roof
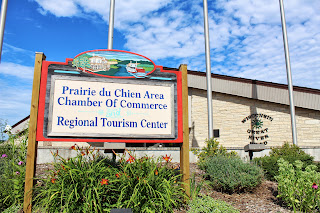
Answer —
(20, 125)
(260, 90)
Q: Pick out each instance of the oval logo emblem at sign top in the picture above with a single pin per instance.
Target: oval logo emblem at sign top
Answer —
(114, 64)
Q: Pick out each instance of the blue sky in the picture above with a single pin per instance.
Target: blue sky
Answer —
(245, 39)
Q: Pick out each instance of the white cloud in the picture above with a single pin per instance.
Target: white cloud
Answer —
(60, 8)
(245, 39)
(10, 49)
(16, 55)
(14, 103)
(257, 51)
(16, 70)
(94, 6)
(245, 35)
(15, 93)
(134, 10)
(128, 10)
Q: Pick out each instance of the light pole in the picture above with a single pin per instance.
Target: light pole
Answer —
(288, 67)
(111, 25)
(3, 22)
(208, 68)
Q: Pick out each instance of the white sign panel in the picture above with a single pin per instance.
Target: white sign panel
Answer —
(107, 109)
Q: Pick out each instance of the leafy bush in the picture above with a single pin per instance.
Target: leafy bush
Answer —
(12, 171)
(74, 184)
(212, 149)
(208, 204)
(231, 174)
(298, 188)
(290, 153)
(317, 164)
(147, 185)
(13, 209)
(88, 184)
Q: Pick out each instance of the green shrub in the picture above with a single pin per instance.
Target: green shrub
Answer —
(88, 184)
(13, 209)
(75, 184)
(298, 188)
(12, 171)
(231, 174)
(147, 185)
(317, 164)
(208, 204)
(211, 149)
(290, 153)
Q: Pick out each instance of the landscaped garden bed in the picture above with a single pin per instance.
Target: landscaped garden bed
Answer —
(220, 182)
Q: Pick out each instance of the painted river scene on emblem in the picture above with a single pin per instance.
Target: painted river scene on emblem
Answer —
(114, 63)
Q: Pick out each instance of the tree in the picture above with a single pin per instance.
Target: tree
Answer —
(82, 62)
(76, 63)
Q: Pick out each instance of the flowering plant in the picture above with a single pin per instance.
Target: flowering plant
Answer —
(149, 184)
(104, 181)
(79, 184)
(167, 158)
(7, 128)
(298, 188)
(12, 169)
(91, 183)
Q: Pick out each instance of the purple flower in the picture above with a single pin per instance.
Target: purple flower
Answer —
(20, 163)
(18, 173)
(315, 186)
(4, 156)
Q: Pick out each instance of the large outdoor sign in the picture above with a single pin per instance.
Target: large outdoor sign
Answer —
(95, 108)
(109, 96)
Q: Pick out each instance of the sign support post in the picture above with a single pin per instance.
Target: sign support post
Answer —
(184, 149)
(32, 143)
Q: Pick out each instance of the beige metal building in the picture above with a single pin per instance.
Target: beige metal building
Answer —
(235, 99)
(244, 111)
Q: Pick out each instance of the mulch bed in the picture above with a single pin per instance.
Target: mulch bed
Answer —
(262, 199)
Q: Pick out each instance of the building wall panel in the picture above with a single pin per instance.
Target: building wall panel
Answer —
(229, 111)
(260, 92)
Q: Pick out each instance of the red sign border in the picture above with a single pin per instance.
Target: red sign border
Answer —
(41, 111)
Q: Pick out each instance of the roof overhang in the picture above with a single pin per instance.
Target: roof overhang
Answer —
(259, 90)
